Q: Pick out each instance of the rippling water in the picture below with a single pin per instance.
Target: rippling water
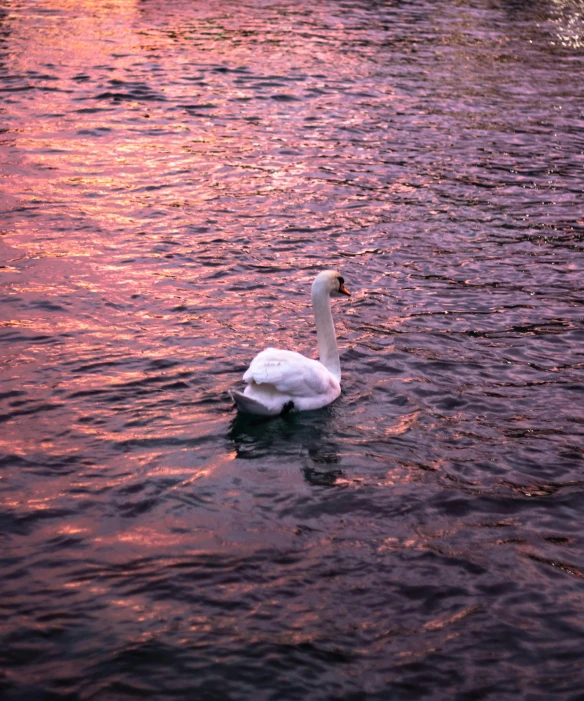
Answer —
(174, 175)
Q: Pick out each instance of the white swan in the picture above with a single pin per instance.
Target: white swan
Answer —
(279, 381)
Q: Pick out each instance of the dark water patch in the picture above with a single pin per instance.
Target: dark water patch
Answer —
(12, 393)
(37, 408)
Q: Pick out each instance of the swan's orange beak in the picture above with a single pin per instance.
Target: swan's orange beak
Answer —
(343, 290)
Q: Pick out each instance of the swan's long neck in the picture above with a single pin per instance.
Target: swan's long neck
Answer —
(325, 331)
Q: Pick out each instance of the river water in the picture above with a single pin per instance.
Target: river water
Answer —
(174, 175)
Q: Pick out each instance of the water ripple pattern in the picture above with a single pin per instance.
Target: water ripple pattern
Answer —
(174, 174)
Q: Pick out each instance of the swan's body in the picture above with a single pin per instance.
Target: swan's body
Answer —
(277, 377)
(279, 381)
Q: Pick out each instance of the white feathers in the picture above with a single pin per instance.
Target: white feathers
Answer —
(281, 380)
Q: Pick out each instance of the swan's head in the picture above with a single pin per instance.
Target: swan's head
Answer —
(331, 283)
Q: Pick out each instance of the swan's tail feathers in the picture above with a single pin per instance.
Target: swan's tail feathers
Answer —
(249, 405)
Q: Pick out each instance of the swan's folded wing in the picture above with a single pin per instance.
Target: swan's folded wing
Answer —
(289, 372)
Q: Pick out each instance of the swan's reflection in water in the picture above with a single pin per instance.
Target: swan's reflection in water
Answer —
(306, 436)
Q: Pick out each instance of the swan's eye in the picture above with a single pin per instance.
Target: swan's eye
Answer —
(342, 289)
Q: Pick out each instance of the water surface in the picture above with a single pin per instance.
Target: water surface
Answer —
(174, 175)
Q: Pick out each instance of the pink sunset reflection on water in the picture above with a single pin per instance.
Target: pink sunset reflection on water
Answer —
(174, 176)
